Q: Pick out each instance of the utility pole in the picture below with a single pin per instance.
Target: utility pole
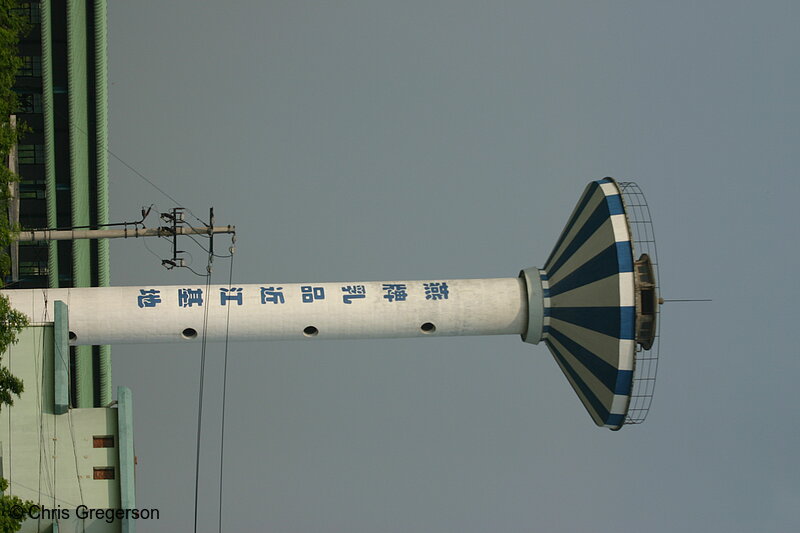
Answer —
(164, 231)
(175, 226)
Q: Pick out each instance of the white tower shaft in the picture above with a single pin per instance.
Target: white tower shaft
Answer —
(270, 311)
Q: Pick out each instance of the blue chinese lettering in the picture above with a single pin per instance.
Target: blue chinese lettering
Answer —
(234, 293)
(190, 297)
(272, 295)
(395, 292)
(312, 293)
(353, 292)
(149, 298)
(436, 291)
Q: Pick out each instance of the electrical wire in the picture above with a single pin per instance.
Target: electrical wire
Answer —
(144, 241)
(206, 250)
(190, 255)
(68, 504)
(225, 389)
(204, 340)
(159, 189)
(75, 455)
(193, 271)
(198, 243)
(135, 224)
(44, 471)
(200, 395)
(132, 169)
(205, 333)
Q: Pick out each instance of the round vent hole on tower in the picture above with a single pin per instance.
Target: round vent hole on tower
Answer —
(72, 336)
(310, 331)
(427, 327)
(189, 333)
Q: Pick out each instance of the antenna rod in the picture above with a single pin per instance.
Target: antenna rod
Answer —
(69, 235)
(687, 300)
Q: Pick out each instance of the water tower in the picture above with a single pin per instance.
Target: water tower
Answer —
(594, 304)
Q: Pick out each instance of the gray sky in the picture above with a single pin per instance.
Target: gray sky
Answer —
(369, 140)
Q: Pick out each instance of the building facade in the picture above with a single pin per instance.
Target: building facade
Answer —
(62, 163)
(66, 442)
(64, 459)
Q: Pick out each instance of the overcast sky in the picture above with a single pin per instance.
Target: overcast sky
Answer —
(377, 140)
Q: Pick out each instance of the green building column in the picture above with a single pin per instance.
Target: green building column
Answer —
(77, 83)
(101, 167)
(49, 138)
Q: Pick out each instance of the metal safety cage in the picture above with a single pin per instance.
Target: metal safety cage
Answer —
(646, 358)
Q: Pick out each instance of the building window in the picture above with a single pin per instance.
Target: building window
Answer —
(30, 11)
(32, 193)
(29, 103)
(30, 154)
(104, 472)
(32, 268)
(31, 66)
(103, 441)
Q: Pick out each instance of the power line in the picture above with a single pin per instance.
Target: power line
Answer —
(199, 244)
(200, 395)
(206, 249)
(144, 241)
(193, 271)
(145, 178)
(135, 224)
(225, 388)
(131, 168)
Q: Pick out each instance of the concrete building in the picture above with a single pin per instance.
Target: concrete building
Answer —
(67, 460)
